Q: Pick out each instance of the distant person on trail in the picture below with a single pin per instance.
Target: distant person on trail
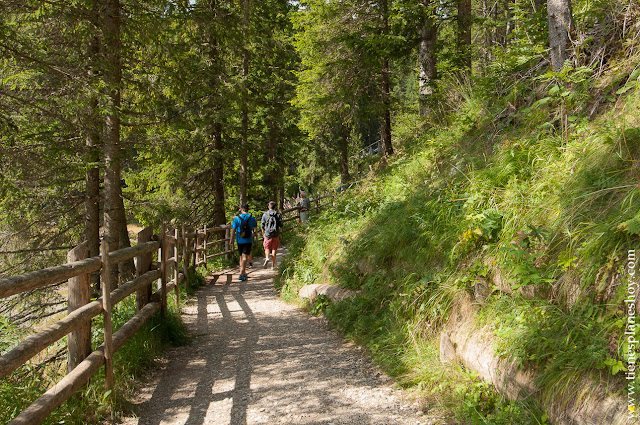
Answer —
(305, 203)
(271, 225)
(242, 227)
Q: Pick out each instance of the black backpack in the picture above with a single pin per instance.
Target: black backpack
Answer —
(245, 229)
(271, 225)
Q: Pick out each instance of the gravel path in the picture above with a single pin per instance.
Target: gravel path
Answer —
(259, 361)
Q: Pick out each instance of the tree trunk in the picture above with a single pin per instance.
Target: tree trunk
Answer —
(92, 175)
(112, 74)
(487, 38)
(510, 21)
(464, 32)
(217, 167)
(281, 195)
(385, 131)
(126, 269)
(344, 154)
(244, 146)
(92, 206)
(560, 19)
(273, 162)
(426, 63)
(218, 177)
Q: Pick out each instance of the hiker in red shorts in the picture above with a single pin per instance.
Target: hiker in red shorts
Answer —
(271, 224)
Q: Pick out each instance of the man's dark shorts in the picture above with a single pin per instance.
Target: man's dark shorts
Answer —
(244, 248)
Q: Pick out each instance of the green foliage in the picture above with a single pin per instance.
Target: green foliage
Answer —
(17, 392)
(196, 279)
(539, 334)
(320, 304)
(482, 404)
(11, 335)
(561, 346)
(368, 322)
(523, 258)
(483, 229)
(296, 274)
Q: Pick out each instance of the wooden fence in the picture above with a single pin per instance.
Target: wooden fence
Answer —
(178, 252)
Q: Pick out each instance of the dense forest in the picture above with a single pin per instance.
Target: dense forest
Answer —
(114, 112)
(505, 140)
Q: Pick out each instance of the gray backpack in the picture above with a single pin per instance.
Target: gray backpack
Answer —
(272, 223)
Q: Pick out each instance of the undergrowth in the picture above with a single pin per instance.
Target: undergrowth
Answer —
(538, 206)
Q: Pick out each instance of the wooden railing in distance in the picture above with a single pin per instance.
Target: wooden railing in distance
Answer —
(293, 213)
(179, 251)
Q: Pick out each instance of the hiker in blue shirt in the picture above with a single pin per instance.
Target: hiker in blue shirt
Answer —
(243, 227)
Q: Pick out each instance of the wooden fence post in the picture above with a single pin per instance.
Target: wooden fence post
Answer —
(185, 259)
(79, 342)
(204, 246)
(232, 243)
(143, 264)
(227, 236)
(106, 308)
(195, 246)
(197, 243)
(163, 268)
(176, 271)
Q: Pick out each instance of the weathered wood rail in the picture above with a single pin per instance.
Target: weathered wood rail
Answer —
(178, 251)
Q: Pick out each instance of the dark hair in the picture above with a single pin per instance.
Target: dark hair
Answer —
(272, 204)
(244, 207)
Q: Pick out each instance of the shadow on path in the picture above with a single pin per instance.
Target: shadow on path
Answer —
(257, 360)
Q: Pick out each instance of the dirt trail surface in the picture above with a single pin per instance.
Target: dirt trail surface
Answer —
(257, 360)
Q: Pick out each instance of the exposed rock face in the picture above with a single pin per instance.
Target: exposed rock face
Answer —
(481, 289)
(589, 403)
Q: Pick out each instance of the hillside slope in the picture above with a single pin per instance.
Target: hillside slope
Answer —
(518, 213)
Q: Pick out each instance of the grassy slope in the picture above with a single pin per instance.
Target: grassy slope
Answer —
(507, 193)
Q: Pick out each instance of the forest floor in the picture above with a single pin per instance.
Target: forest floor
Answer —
(257, 360)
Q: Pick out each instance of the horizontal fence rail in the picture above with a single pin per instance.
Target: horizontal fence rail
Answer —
(178, 251)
